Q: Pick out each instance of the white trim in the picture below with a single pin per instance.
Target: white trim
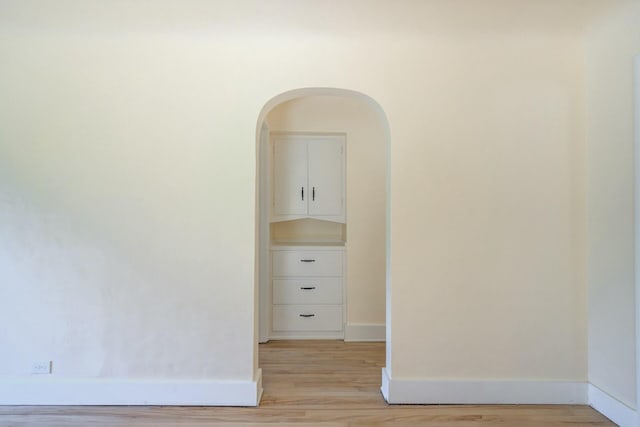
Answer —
(612, 408)
(258, 380)
(99, 391)
(365, 332)
(264, 255)
(636, 182)
(412, 391)
(384, 388)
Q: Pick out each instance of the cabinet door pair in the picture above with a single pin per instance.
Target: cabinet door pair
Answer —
(309, 176)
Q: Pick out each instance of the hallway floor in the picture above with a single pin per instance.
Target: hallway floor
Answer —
(312, 383)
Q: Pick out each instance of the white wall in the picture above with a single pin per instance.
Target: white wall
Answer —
(366, 192)
(127, 164)
(126, 224)
(116, 260)
(611, 45)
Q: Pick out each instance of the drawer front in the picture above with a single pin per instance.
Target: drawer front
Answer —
(307, 291)
(307, 318)
(307, 263)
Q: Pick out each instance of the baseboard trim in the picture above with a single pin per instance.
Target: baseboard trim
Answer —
(365, 332)
(384, 388)
(97, 391)
(406, 391)
(257, 379)
(612, 408)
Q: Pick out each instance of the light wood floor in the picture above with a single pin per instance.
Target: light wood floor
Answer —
(312, 383)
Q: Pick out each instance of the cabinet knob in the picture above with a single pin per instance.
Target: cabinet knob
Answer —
(313, 194)
(307, 260)
(307, 315)
(307, 288)
(302, 193)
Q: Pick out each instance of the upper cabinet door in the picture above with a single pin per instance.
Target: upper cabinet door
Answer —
(290, 176)
(326, 176)
(308, 177)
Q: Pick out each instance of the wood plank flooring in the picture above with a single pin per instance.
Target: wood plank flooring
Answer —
(312, 383)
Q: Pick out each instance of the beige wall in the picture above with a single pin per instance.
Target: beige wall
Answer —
(127, 157)
(487, 245)
(366, 191)
(611, 46)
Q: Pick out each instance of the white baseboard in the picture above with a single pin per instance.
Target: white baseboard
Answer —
(405, 391)
(257, 379)
(612, 408)
(97, 391)
(365, 332)
(384, 388)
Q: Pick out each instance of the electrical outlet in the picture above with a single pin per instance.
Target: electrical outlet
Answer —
(42, 367)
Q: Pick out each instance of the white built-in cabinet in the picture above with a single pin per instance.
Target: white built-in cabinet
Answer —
(307, 292)
(308, 177)
(306, 275)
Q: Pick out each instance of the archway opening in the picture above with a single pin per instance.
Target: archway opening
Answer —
(365, 229)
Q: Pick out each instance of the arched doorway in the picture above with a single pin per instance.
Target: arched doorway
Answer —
(296, 101)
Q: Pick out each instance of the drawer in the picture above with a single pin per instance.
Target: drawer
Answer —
(307, 263)
(327, 290)
(307, 318)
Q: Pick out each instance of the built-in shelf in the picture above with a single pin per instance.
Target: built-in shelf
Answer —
(302, 243)
(308, 231)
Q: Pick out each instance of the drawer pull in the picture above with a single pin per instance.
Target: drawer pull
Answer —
(307, 315)
(307, 260)
(307, 288)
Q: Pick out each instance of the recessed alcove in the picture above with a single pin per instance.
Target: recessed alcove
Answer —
(359, 229)
(308, 230)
